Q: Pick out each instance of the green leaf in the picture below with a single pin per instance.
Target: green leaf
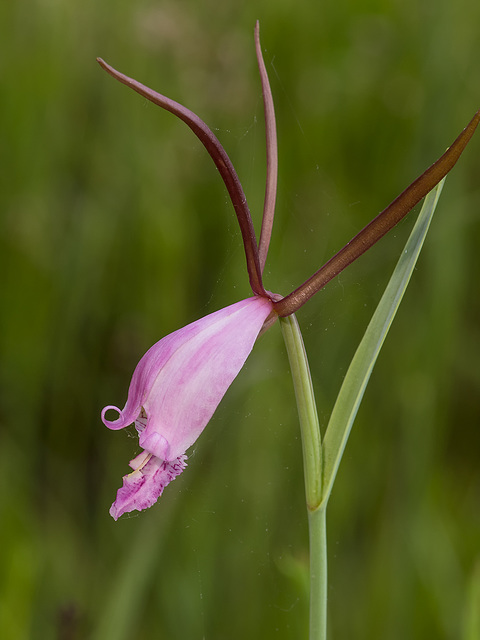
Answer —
(358, 374)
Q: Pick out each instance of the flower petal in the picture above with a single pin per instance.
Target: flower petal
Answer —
(142, 488)
(180, 381)
(191, 383)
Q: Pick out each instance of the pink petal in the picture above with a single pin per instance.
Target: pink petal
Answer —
(191, 384)
(180, 381)
(142, 488)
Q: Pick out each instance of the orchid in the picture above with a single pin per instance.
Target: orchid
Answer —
(180, 381)
(175, 389)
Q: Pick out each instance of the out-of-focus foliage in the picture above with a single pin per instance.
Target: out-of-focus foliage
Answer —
(115, 230)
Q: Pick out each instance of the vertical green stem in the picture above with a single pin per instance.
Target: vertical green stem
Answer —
(312, 456)
(317, 527)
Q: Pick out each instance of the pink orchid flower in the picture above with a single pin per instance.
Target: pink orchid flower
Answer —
(180, 381)
(174, 391)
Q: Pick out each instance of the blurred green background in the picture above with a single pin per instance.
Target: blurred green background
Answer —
(116, 230)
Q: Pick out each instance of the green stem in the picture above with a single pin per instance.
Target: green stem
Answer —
(312, 457)
(317, 527)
